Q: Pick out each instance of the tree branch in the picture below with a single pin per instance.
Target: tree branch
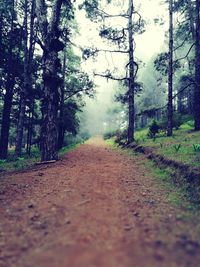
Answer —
(179, 92)
(185, 55)
(112, 51)
(106, 15)
(41, 12)
(109, 76)
(55, 18)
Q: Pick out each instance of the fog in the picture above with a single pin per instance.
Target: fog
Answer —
(147, 45)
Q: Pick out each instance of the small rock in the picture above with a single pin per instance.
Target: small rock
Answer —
(30, 206)
(67, 221)
(179, 217)
(136, 214)
(2, 192)
(158, 243)
(159, 257)
(40, 174)
(170, 216)
(128, 227)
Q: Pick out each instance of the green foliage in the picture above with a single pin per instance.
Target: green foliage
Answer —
(121, 136)
(177, 147)
(109, 134)
(196, 147)
(178, 120)
(153, 129)
(161, 63)
(183, 147)
(91, 8)
(116, 36)
(89, 52)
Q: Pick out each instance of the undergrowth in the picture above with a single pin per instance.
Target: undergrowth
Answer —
(183, 146)
(13, 163)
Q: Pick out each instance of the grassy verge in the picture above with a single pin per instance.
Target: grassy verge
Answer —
(183, 147)
(178, 196)
(25, 161)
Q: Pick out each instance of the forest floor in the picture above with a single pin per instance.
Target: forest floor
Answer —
(97, 207)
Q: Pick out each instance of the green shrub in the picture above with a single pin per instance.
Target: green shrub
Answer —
(196, 147)
(177, 147)
(153, 129)
(109, 134)
(183, 121)
(121, 136)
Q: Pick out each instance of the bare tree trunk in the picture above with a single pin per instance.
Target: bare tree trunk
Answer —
(23, 96)
(51, 79)
(49, 129)
(170, 73)
(5, 123)
(61, 130)
(191, 18)
(32, 41)
(197, 70)
(30, 129)
(131, 98)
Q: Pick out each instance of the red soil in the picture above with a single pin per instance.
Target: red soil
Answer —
(95, 208)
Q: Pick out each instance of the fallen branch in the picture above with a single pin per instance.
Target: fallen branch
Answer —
(83, 202)
(45, 162)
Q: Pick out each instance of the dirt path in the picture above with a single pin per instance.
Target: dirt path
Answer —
(95, 208)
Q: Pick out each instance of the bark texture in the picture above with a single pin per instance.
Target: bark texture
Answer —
(10, 81)
(170, 73)
(197, 69)
(131, 110)
(24, 91)
(51, 80)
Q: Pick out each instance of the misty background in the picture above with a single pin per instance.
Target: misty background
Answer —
(98, 113)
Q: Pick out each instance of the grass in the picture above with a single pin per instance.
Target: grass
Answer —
(183, 146)
(13, 163)
(25, 162)
(176, 195)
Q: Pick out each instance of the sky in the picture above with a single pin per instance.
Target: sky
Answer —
(147, 45)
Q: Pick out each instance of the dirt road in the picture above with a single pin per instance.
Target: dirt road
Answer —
(95, 208)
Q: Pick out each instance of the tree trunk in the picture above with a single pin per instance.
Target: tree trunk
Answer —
(23, 96)
(5, 124)
(170, 73)
(61, 130)
(197, 70)
(180, 107)
(131, 98)
(51, 80)
(49, 129)
(31, 96)
(191, 17)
